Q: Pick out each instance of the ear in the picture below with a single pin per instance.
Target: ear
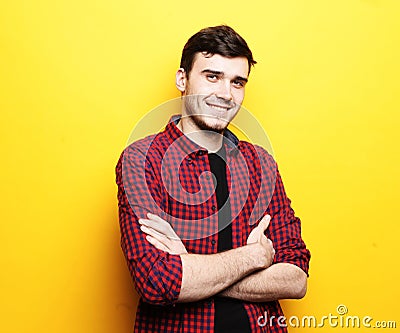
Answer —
(180, 81)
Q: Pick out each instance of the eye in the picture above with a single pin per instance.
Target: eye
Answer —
(212, 77)
(238, 83)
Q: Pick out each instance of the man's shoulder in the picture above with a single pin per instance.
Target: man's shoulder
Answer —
(149, 146)
(148, 149)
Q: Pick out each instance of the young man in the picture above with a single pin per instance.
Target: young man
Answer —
(208, 253)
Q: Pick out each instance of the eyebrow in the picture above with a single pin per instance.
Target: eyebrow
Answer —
(210, 71)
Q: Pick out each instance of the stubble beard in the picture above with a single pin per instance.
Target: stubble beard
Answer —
(202, 124)
(199, 119)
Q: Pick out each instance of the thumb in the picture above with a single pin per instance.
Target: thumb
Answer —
(264, 223)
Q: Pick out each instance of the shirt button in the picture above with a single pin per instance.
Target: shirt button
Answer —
(213, 242)
(213, 207)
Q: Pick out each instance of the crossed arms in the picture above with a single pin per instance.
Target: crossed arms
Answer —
(243, 273)
(165, 273)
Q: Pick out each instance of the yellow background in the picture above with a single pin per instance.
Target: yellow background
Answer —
(76, 76)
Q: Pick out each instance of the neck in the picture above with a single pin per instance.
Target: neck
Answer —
(212, 141)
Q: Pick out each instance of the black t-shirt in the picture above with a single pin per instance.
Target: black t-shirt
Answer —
(230, 314)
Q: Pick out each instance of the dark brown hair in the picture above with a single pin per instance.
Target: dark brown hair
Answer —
(222, 40)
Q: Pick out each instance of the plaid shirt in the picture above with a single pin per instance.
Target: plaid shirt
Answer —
(169, 175)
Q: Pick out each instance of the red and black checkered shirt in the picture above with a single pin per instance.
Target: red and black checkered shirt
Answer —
(169, 175)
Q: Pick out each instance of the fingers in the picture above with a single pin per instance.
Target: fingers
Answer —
(160, 241)
(154, 233)
(157, 223)
(156, 218)
(156, 243)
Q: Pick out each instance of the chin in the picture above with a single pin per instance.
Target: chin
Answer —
(210, 123)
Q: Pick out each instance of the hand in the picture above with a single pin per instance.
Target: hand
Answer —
(257, 236)
(161, 235)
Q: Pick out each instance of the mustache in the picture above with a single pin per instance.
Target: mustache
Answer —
(218, 101)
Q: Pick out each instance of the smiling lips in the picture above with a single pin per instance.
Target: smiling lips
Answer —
(219, 107)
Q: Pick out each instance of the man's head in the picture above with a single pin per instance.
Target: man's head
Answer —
(215, 66)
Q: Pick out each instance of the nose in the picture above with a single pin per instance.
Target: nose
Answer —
(224, 90)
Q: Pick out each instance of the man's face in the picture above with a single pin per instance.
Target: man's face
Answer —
(214, 91)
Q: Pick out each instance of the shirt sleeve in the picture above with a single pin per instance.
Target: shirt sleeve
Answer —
(285, 230)
(157, 275)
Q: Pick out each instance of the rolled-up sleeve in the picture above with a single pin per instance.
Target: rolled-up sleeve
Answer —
(157, 275)
(285, 230)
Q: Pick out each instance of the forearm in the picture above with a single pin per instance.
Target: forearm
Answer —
(206, 275)
(279, 281)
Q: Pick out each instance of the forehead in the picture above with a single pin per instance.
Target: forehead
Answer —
(233, 67)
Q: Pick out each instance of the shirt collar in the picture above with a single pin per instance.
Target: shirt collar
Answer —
(231, 141)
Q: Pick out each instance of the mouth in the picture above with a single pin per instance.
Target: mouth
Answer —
(219, 107)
